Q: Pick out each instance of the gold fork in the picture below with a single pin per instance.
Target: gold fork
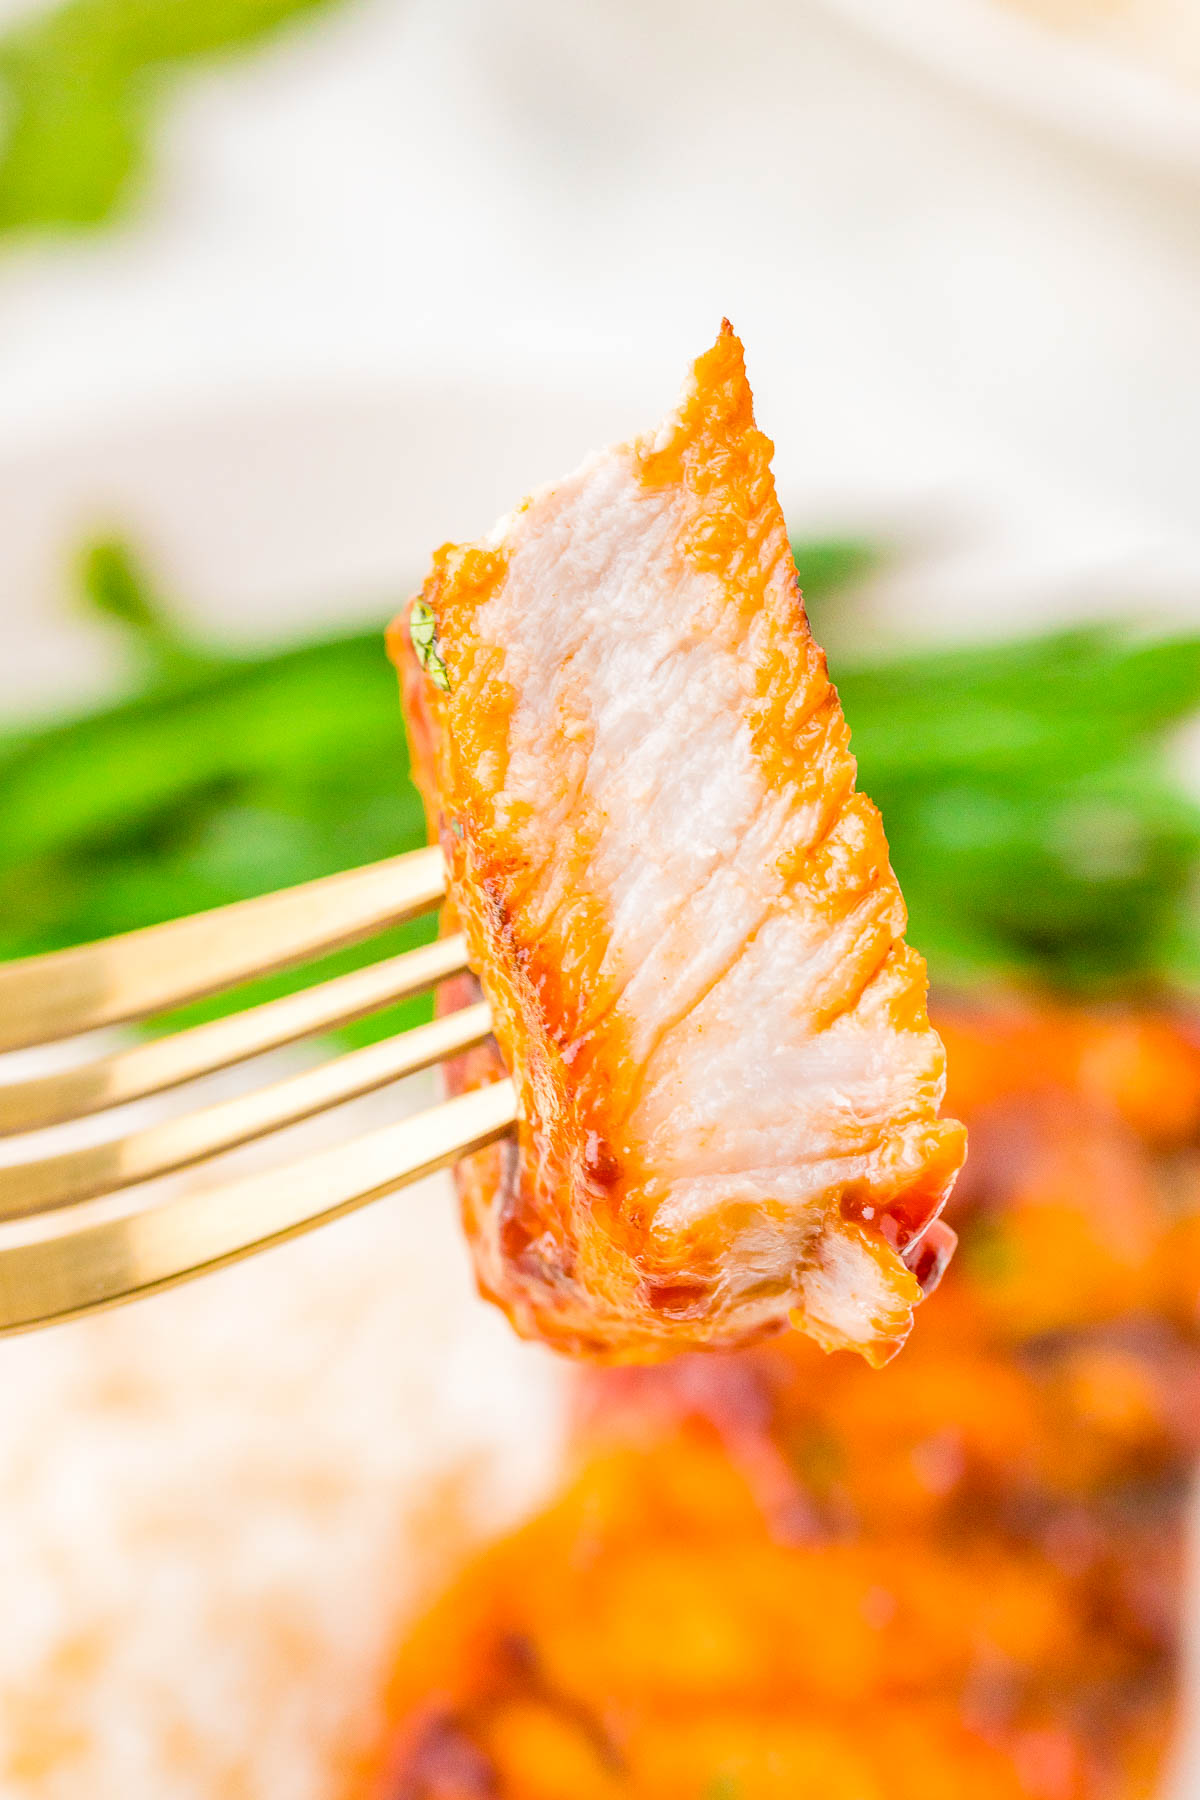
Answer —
(69, 1257)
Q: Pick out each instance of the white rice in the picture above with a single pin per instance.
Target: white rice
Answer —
(218, 1506)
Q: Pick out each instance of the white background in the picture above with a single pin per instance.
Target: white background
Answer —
(400, 264)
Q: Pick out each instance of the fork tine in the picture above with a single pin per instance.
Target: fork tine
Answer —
(161, 1063)
(43, 998)
(53, 1182)
(61, 1276)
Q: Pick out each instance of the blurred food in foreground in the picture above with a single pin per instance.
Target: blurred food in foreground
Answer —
(774, 1576)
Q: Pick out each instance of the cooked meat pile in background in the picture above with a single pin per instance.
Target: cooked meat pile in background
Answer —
(681, 912)
(777, 1576)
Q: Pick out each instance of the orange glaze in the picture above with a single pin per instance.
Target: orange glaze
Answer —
(627, 1225)
(722, 462)
(773, 1575)
(652, 1603)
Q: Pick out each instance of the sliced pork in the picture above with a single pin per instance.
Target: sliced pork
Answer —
(681, 912)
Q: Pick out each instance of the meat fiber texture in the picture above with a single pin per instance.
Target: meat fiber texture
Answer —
(681, 913)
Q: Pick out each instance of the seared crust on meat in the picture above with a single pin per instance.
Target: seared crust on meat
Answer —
(681, 912)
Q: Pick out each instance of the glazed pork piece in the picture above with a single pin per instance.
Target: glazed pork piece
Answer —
(681, 912)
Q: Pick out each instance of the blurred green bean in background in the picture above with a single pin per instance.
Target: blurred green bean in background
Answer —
(79, 83)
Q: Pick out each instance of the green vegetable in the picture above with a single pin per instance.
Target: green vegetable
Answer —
(113, 585)
(1032, 817)
(1033, 821)
(78, 87)
(828, 565)
(422, 629)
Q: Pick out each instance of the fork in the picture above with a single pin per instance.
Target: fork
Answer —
(62, 1254)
